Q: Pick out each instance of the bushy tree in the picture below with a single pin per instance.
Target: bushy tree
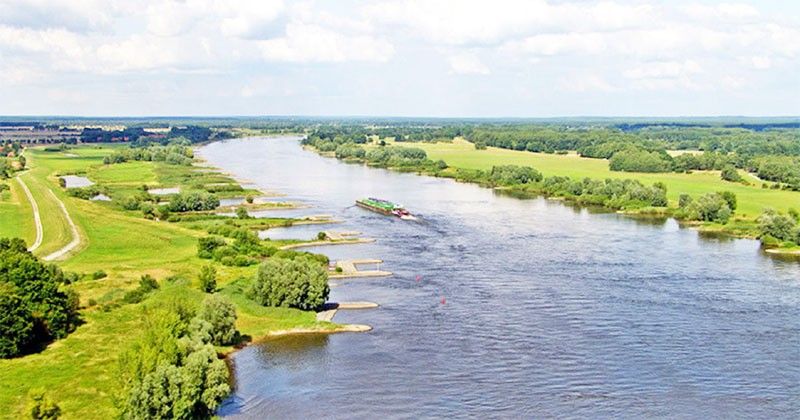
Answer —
(167, 373)
(208, 278)
(729, 173)
(35, 307)
(709, 208)
(514, 175)
(297, 283)
(220, 313)
(640, 161)
(729, 198)
(776, 225)
(16, 322)
(207, 245)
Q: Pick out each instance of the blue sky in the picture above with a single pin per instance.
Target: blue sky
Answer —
(499, 58)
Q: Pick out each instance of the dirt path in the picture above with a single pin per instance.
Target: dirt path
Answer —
(76, 238)
(36, 217)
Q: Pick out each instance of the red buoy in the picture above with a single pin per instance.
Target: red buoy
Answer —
(417, 278)
(442, 301)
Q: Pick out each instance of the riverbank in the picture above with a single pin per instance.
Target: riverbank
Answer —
(479, 166)
(79, 370)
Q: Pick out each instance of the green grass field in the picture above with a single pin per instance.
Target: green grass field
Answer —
(78, 372)
(752, 199)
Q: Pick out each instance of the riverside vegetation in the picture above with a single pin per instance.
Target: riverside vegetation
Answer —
(133, 325)
(583, 165)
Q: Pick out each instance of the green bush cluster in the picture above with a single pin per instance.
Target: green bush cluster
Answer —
(713, 207)
(173, 371)
(640, 161)
(616, 193)
(146, 285)
(34, 306)
(193, 201)
(298, 283)
(513, 175)
(175, 154)
(774, 227)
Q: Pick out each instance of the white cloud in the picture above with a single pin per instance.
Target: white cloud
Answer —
(585, 82)
(135, 53)
(313, 43)
(761, 62)
(665, 69)
(466, 63)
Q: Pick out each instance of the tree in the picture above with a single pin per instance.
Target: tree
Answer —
(709, 208)
(778, 226)
(16, 322)
(684, 200)
(729, 173)
(36, 308)
(297, 283)
(208, 278)
(220, 313)
(729, 198)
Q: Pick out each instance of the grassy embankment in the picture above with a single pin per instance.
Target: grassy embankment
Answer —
(78, 372)
(751, 199)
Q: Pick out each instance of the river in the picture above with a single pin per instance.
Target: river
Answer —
(524, 308)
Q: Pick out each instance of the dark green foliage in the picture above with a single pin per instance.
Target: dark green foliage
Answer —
(220, 313)
(241, 212)
(86, 193)
(208, 279)
(297, 283)
(776, 225)
(16, 322)
(514, 175)
(350, 150)
(207, 245)
(729, 198)
(321, 236)
(249, 199)
(40, 406)
(99, 274)
(130, 203)
(684, 200)
(147, 283)
(616, 193)
(193, 201)
(173, 154)
(729, 173)
(169, 373)
(4, 187)
(640, 161)
(31, 295)
(709, 208)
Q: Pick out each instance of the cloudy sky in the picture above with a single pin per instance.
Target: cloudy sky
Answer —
(497, 58)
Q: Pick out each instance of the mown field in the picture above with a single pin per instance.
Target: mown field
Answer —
(79, 372)
(752, 199)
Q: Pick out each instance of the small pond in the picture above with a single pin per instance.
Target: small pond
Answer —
(74, 181)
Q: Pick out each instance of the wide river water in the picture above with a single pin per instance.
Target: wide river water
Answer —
(549, 310)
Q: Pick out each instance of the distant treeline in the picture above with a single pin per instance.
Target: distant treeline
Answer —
(138, 136)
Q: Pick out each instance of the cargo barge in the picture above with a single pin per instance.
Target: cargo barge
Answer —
(385, 207)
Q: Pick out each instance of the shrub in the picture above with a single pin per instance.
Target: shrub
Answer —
(208, 278)
(99, 274)
(684, 200)
(207, 245)
(729, 173)
(249, 199)
(241, 213)
(778, 226)
(709, 208)
(297, 283)
(321, 236)
(729, 198)
(220, 313)
(130, 203)
(147, 283)
(41, 406)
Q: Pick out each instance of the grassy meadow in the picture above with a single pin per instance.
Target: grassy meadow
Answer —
(79, 371)
(751, 199)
